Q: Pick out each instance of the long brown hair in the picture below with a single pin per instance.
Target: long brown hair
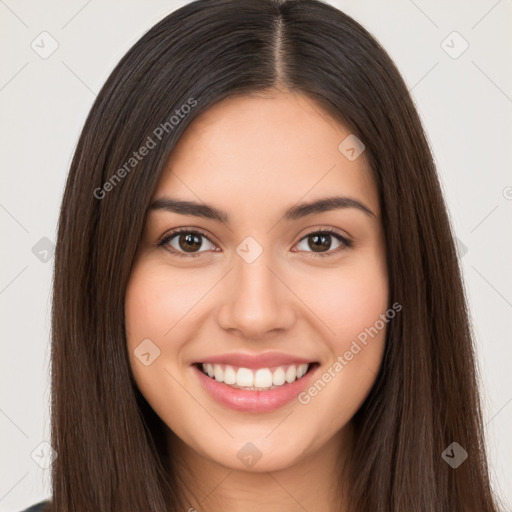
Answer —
(110, 443)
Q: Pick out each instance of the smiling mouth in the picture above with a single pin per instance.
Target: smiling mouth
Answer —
(261, 379)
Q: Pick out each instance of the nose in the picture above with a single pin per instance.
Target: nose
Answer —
(256, 300)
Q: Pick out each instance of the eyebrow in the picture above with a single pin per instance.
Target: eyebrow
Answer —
(297, 211)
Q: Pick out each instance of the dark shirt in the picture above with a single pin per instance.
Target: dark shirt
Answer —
(38, 507)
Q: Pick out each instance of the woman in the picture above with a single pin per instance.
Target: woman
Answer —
(257, 299)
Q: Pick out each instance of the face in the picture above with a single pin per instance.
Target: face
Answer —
(256, 294)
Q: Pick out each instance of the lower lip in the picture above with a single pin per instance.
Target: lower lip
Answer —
(254, 401)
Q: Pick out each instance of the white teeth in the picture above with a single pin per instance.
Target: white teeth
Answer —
(291, 374)
(229, 375)
(278, 377)
(263, 378)
(218, 373)
(244, 377)
(301, 370)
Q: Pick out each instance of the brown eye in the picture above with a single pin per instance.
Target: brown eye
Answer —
(185, 243)
(189, 242)
(319, 242)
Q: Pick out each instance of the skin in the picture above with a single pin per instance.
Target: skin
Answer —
(253, 157)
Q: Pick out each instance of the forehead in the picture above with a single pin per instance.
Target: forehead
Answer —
(264, 150)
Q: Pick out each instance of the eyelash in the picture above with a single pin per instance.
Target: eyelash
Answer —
(346, 243)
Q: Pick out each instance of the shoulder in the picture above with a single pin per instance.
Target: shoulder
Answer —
(38, 507)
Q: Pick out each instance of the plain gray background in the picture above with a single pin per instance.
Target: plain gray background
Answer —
(463, 97)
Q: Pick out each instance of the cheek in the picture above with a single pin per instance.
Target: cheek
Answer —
(352, 308)
(155, 304)
(151, 313)
(359, 306)
(348, 299)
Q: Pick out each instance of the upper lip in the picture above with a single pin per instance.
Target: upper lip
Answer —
(254, 361)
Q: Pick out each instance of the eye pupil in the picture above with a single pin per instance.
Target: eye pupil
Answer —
(189, 239)
(320, 241)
